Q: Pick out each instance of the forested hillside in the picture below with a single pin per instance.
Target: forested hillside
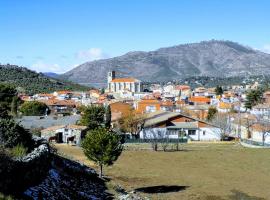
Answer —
(32, 82)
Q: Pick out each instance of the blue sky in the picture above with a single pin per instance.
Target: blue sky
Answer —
(56, 35)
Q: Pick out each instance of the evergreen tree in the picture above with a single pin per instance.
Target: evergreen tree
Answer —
(253, 98)
(7, 93)
(103, 147)
(219, 90)
(14, 105)
(102, 91)
(93, 116)
(212, 111)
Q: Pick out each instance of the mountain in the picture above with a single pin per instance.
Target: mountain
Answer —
(31, 82)
(51, 74)
(208, 58)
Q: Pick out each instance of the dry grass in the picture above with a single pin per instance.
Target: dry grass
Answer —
(212, 171)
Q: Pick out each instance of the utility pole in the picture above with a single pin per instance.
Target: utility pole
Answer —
(239, 119)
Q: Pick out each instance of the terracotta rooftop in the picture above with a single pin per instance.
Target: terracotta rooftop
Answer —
(55, 102)
(124, 80)
(182, 87)
(200, 99)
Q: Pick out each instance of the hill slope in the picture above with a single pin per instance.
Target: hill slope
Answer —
(31, 82)
(208, 58)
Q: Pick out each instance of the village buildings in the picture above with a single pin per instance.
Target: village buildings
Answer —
(168, 108)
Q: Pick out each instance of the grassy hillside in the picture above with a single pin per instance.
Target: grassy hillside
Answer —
(32, 82)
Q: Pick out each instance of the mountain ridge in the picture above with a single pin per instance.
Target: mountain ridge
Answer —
(217, 58)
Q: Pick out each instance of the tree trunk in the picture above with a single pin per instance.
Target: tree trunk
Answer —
(100, 172)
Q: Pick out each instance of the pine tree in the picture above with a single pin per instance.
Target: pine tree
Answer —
(103, 147)
(253, 98)
(219, 90)
(93, 116)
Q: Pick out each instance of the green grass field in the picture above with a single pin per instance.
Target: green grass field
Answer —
(209, 171)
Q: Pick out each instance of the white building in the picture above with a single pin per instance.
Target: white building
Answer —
(174, 125)
(118, 85)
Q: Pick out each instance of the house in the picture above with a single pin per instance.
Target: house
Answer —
(62, 95)
(260, 133)
(43, 96)
(266, 97)
(182, 90)
(261, 109)
(196, 111)
(224, 107)
(167, 105)
(63, 133)
(94, 93)
(174, 125)
(200, 91)
(116, 85)
(199, 100)
(119, 110)
(148, 105)
(60, 107)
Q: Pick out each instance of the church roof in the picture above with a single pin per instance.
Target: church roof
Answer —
(124, 80)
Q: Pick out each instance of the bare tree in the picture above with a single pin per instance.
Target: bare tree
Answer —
(154, 135)
(164, 141)
(222, 121)
(132, 123)
(264, 126)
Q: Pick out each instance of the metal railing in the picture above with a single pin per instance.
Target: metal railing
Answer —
(133, 140)
(255, 143)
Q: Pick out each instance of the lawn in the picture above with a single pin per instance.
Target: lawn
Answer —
(206, 171)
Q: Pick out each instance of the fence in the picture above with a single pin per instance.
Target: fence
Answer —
(133, 140)
(251, 142)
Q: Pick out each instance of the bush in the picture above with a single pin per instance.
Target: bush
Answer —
(36, 132)
(33, 108)
(18, 151)
(12, 134)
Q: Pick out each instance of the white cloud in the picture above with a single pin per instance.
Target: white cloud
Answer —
(40, 66)
(91, 54)
(266, 48)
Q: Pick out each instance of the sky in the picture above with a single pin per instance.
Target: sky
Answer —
(57, 35)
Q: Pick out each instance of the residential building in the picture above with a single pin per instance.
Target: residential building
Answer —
(60, 107)
(199, 100)
(64, 133)
(148, 105)
(174, 125)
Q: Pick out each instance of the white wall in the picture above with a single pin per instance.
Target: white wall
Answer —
(157, 133)
(211, 134)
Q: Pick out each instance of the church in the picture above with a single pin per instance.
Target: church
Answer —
(119, 85)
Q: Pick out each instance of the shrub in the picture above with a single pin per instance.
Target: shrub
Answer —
(18, 151)
(33, 108)
(36, 132)
(12, 134)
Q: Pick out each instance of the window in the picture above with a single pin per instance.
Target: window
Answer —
(203, 132)
(191, 132)
(150, 108)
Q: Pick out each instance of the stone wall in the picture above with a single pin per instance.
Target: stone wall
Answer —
(21, 173)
